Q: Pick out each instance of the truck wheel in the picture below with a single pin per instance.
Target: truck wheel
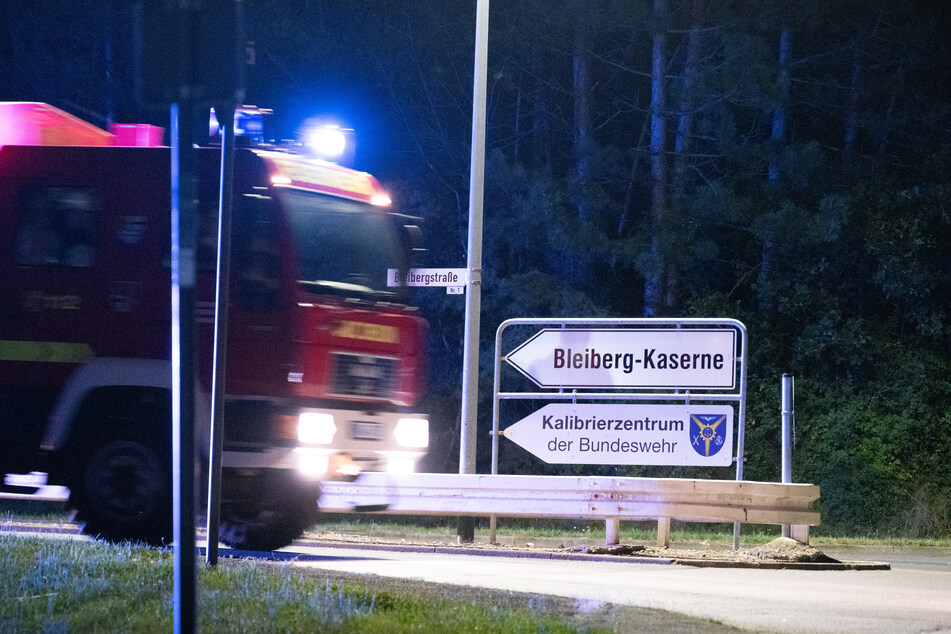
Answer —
(272, 523)
(124, 493)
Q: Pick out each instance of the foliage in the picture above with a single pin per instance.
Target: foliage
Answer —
(815, 209)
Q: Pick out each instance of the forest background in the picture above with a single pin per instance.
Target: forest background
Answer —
(787, 164)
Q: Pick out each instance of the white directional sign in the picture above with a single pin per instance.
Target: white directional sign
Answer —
(624, 358)
(428, 277)
(624, 434)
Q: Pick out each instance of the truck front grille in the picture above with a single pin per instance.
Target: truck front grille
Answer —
(363, 375)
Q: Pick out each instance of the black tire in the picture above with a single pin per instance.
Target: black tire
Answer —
(123, 492)
(288, 508)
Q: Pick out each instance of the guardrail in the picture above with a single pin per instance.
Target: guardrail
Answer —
(610, 499)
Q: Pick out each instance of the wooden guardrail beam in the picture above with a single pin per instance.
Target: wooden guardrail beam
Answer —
(610, 499)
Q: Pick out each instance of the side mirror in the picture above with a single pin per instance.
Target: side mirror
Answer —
(412, 237)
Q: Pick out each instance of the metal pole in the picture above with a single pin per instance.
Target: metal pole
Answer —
(470, 361)
(788, 416)
(225, 199)
(183, 365)
(741, 432)
(496, 384)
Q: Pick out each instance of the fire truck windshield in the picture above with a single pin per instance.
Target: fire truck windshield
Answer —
(345, 247)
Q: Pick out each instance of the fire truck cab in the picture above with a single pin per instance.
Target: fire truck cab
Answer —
(325, 362)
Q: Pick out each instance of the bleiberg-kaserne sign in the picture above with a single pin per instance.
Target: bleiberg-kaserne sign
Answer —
(625, 434)
(624, 358)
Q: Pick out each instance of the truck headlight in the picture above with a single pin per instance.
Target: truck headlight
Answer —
(312, 465)
(412, 432)
(316, 428)
(397, 464)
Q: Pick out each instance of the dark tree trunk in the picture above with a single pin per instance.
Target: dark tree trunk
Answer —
(683, 142)
(660, 203)
(852, 106)
(541, 153)
(583, 143)
(778, 137)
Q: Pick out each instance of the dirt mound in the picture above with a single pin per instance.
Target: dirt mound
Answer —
(786, 549)
(619, 549)
(782, 549)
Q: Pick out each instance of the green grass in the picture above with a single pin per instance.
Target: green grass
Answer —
(56, 585)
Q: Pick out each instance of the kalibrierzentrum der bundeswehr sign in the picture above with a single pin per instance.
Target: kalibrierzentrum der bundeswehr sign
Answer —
(687, 358)
(626, 434)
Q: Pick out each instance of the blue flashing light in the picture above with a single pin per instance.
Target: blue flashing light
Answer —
(327, 141)
(323, 138)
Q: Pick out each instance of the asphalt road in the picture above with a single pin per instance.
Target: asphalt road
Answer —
(914, 596)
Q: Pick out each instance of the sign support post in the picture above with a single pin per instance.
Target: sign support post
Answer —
(183, 366)
(470, 361)
(788, 415)
(225, 204)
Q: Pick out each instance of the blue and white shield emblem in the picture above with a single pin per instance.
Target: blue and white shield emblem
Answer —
(707, 433)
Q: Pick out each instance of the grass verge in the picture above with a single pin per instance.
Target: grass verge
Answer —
(71, 585)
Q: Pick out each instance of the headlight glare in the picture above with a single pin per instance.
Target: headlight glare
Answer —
(400, 465)
(412, 432)
(316, 428)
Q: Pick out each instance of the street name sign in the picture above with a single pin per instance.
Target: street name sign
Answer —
(626, 434)
(428, 277)
(628, 358)
(454, 280)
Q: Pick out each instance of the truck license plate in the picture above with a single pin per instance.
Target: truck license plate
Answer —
(363, 430)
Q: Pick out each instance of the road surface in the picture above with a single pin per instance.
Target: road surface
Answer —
(914, 596)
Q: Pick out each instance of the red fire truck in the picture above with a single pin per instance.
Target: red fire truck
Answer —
(325, 361)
